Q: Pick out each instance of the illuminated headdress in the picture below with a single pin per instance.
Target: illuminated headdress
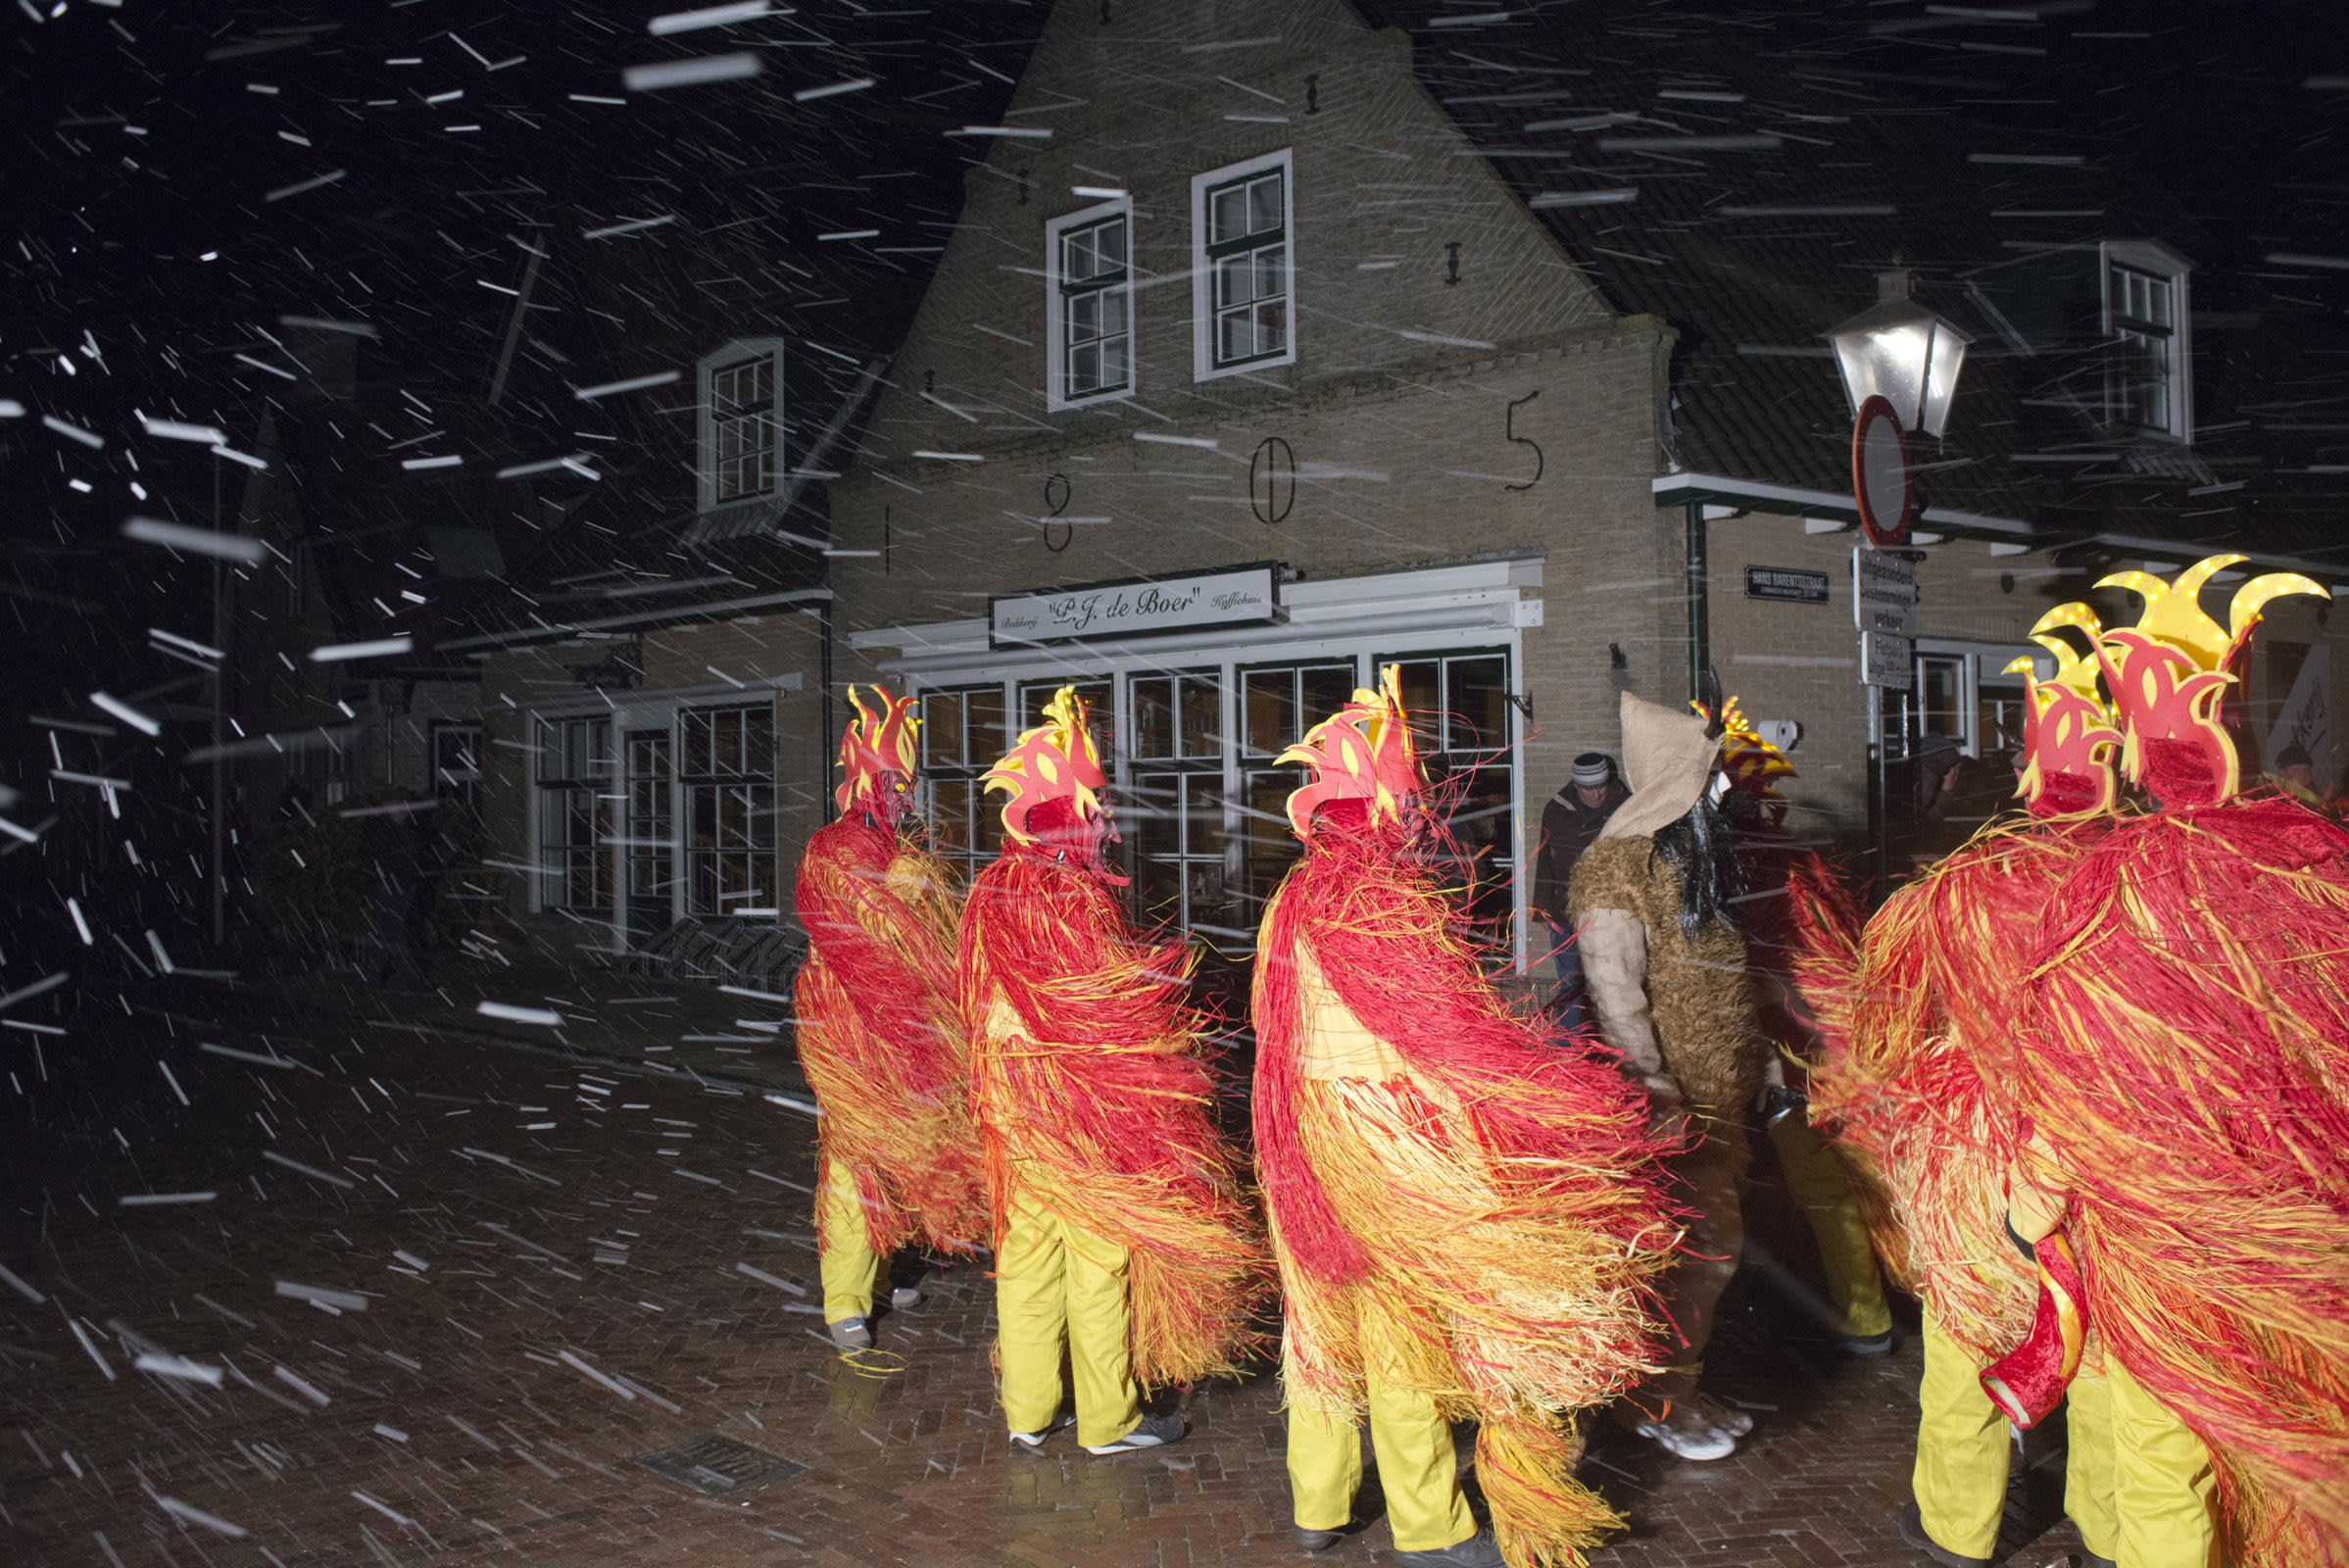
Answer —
(1363, 752)
(2067, 732)
(1753, 764)
(876, 743)
(2168, 672)
(1056, 760)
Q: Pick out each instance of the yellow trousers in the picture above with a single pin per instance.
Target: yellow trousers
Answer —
(1820, 1187)
(2136, 1481)
(1417, 1469)
(847, 1263)
(1060, 1290)
(1962, 1450)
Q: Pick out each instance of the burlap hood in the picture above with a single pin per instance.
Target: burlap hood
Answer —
(1668, 760)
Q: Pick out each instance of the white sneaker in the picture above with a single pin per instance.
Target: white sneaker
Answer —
(1689, 1440)
(1034, 1442)
(1723, 1417)
(905, 1295)
(1152, 1432)
(851, 1334)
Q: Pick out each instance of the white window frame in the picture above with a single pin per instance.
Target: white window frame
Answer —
(2156, 261)
(1202, 281)
(705, 422)
(1055, 322)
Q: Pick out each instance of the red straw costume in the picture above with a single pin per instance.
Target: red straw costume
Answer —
(1118, 1215)
(1466, 1210)
(2186, 1085)
(879, 1028)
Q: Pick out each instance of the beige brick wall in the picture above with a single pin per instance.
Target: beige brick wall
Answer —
(1401, 436)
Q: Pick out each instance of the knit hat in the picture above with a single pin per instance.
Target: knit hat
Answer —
(1592, 771)
(1668, 761)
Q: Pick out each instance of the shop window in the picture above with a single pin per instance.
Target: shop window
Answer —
(651, 837)
(456, 767)
(1461, 716)
(1089, 334)
(726, 774)
(574, 814)
(2148, 384)
(741, 423)
(1244, 267)
(1276, 706)
(1173, 799)
(1940, 699)
(963, 735)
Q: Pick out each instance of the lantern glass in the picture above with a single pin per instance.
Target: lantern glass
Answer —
(1903, 352)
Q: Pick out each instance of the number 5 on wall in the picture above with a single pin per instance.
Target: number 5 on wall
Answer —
(1509, 427)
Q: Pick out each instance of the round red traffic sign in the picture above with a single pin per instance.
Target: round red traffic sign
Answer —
(1880, 474)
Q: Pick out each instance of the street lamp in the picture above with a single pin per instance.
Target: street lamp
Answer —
(1902, 352)
(1900, 365)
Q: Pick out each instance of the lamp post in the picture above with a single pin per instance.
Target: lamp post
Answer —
(1900, 365)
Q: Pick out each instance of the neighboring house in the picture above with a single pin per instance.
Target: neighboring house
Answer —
(1492, 344)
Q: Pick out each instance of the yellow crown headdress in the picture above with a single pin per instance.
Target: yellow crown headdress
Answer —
(1056, 760)
(1363, 752)
(877, 743)
(2068, 733)
(2168, 672)
(1751, 763)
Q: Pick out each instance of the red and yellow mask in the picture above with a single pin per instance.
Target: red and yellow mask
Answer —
(1753, 766)
(1362, 753)
(2168, 673)
(878, 757)
(2068, 728)
(1053, 780)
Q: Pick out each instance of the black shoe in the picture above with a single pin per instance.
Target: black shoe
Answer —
(1479, 1551)
(1316, 1540)
(1152, 1432)
(1864, 1344)
(1912, 1532)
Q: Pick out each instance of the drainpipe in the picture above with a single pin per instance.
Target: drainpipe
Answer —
(1700, 650)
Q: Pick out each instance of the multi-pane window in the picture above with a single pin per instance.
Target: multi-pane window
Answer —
(575, 800)
(1247, 266)
(2144, 317)
(962, 736)
(1276, 706)
(1096, 303)
(1460, 719)
(456, 767)
(1174, 800)
(743, 443)
(727, 777)
(649, 844)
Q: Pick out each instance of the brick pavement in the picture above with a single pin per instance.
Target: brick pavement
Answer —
(470, 1284)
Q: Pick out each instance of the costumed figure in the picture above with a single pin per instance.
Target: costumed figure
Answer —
(1465, 1207)
(880, 1028)
(1769, 859)
(1120, 1234)
(1666, 963)
(2181, 1087)
(1917, 1018)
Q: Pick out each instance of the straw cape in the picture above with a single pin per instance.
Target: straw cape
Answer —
(2186, 1024)
(1090, 1074)
(878, 1026)
(1481, 1188)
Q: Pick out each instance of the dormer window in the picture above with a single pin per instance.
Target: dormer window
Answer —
(2149, 384)
(741, 423)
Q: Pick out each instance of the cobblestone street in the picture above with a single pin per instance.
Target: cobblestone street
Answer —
(311, 1299)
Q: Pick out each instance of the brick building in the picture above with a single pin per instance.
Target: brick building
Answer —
(1273, 342)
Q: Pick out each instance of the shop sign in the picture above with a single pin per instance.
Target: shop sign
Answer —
(1786, 584)
(1242, 596)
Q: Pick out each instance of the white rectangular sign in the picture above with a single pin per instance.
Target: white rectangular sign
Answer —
(1239, 597)
(1887, 661)
(1883, 591)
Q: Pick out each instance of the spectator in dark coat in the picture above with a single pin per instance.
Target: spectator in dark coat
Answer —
(1569, 823)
